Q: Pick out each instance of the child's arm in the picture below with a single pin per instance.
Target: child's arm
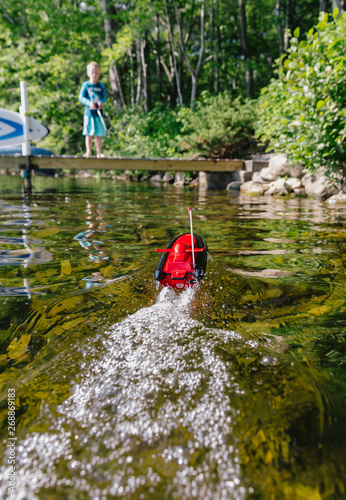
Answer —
(103, 93)
(84, 96)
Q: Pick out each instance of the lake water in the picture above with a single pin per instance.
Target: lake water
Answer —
(232, 390)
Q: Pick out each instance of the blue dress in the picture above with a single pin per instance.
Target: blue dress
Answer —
(94, 123)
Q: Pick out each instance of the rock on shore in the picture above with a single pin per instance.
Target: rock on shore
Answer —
(272, 175)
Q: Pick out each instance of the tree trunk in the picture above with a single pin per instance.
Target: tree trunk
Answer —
(217, 50)
(324, 5)
(291, 8)
(194, 73)
(132, 78)
(107, 23)
(170, 34)
(290, 22)
(280, 28)
(139, 70)
(338, 4)
(145, 75)
(212, 43)
(147, 51)
(158, 59)
(116, 89)
(169, 71)
(246, 52)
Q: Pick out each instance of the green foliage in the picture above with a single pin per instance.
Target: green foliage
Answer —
(49, 47)
(218, 127)
(303, 112)
(48, 44)
(135, 134)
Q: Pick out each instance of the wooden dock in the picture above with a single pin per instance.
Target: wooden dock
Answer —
(115, 163)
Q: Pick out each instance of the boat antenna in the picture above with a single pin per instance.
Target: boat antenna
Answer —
(192, 247)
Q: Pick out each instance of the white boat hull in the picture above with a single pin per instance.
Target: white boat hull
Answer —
(11, 128)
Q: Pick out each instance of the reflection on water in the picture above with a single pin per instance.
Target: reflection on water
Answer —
(20, 251)
(86, 239)
(233, 390)
(24, 257)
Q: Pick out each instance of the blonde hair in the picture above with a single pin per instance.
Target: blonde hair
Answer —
(93, 64)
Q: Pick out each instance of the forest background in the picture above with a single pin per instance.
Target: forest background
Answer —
(194, 77)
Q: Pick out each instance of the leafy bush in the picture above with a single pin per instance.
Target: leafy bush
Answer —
(134, 133)
(303, 112)
(218, 127)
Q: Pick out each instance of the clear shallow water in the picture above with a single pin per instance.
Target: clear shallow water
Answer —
(233, 390)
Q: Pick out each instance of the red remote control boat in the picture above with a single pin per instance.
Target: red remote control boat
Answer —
(183, 262)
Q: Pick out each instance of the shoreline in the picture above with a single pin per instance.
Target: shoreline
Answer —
(263, 175)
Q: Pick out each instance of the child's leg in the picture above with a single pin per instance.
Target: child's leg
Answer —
(88, 145)
(98, 144)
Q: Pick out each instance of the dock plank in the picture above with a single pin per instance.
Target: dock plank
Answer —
(115, 163)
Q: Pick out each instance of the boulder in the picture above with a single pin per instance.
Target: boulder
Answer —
(296, 171)
(293, 183)
(168, 177)
(156, 178)
(278, 187)
(256, 177)
(123, 177)
(178, 177)
(235, 185)
(254, 188)
(179, 180)
(268, 174)
(278, 164)
(279, 167)
(194, 182)
(337, 198)
(319, 185)
(179, 184)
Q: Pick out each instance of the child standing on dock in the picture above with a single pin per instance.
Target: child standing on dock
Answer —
(93, 96)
